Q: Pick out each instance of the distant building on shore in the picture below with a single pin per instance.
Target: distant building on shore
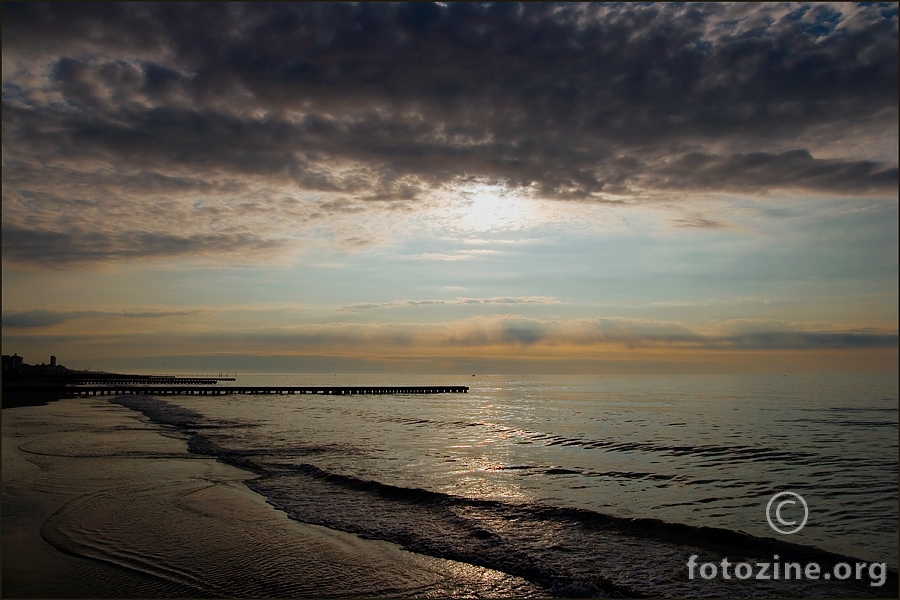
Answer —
(16, 364)
(12, 363)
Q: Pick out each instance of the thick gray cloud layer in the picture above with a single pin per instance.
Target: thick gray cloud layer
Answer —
(48, 318)
(107, 108)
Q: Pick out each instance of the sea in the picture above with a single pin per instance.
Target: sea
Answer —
(583, 485)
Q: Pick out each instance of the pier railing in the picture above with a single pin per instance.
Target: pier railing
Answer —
(209, 390)
(112, 378)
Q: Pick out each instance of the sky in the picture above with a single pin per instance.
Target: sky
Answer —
(451, 188)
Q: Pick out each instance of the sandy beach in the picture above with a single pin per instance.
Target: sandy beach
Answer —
(99, 502)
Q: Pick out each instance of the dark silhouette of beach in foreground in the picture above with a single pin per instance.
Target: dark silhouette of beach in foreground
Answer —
(98, 502)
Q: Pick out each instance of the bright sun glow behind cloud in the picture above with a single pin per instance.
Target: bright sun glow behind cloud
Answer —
(491, 207)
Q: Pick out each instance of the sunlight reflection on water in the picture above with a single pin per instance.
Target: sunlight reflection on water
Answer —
(700, 450)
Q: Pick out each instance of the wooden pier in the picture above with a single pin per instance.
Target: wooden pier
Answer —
(215, 390)
(148, 380)
(77, 378)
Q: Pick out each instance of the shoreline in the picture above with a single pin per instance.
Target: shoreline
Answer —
(102, 499)
(99, 502)
(632, 550)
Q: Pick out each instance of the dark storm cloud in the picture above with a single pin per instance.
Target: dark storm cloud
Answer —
(699, 223)
(641, 333)
(759, 170)
(479, 332)
(56, 250)
(45, 318)
(385, 102)
(809, 340)
(457, 302)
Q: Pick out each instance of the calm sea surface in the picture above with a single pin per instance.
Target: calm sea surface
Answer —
(521, 472)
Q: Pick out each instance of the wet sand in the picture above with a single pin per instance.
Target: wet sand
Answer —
(99, 502)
